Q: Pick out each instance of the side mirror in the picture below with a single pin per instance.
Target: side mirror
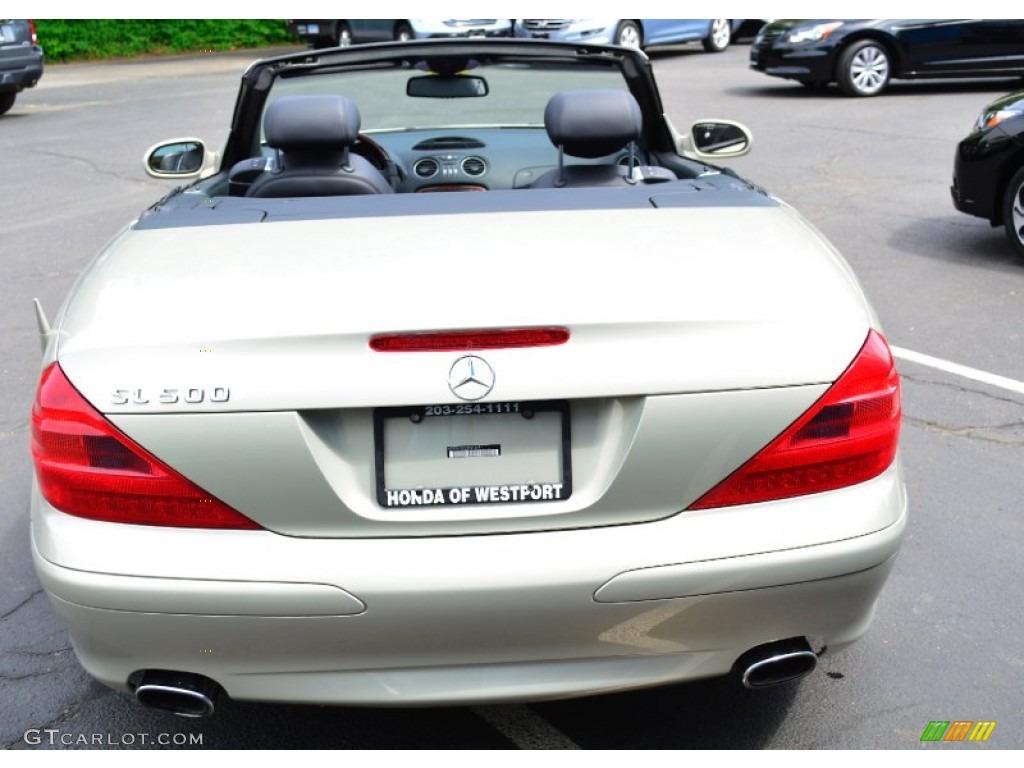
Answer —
(180, 159)
(716, 140)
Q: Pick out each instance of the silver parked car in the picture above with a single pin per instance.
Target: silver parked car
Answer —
(440, 384)
(714, 34)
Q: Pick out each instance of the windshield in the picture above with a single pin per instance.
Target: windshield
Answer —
(516, 92)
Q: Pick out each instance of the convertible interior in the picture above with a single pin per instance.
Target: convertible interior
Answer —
(316, 150)
(364, 124)
(441, 123)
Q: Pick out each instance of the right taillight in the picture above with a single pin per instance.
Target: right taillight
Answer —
(89, 468)
(848, 436)
(32, 31)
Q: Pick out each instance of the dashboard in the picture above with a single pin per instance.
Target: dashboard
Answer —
(458, 159)
(479, 158)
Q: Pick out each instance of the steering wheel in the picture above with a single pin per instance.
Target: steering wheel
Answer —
(378, 157)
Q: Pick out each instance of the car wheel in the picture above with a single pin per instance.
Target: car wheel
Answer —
(7, 101)
(1013, 212)
(403, 33)
(628, 35)
(344, 36)
(719, 36)
(864, 69)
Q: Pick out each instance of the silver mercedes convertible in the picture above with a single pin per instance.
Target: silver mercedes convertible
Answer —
(441, 383)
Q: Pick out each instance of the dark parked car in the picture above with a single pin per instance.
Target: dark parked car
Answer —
(988, 174)
(863, 55)
(21, 59)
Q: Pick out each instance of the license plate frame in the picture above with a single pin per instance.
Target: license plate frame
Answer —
(449, 495)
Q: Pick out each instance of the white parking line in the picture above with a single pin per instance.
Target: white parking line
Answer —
(1003, 382)
(524, 727)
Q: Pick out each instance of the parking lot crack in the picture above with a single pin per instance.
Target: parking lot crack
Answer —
(68, 713)
(91, 165)
(20, 430)
(965, 389)
(49, 275)
(28, 675)
(38, 654)
(989, 434)
(20, 605)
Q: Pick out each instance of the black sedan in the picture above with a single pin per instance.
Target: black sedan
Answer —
(988, 175)
(863, 55)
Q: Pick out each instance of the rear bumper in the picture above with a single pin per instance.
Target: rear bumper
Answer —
(312, 30)
(461, 619)
(602, 36)
(22, 71)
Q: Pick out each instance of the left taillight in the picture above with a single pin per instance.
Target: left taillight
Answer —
(88, 468)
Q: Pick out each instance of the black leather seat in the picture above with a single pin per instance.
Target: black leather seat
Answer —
(592, 124)
(314, 134)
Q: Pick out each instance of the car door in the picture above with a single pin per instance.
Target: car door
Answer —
(959, 46)
(674, 30)
(994, 45)
(927, 46)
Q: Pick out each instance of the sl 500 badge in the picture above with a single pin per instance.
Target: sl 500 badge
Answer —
(186, 396)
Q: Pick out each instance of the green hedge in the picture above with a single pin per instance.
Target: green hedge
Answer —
(71, 39)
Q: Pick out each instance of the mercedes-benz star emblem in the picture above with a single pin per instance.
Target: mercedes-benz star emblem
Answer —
(470, 377)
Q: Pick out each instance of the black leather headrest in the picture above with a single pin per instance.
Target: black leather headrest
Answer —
(313, 121)
(592, 123)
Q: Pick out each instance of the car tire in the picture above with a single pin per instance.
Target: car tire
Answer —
(864, 68)
(628, 35)
(719, 36)
(1013, 212)
(403, 32)
(343, 36)
(7, 101)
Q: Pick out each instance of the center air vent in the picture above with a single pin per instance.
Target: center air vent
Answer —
(442, 143)
(426, 167)
(474, 166)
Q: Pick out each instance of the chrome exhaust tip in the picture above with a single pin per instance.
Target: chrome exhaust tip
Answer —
(776, 663)
(180, 693)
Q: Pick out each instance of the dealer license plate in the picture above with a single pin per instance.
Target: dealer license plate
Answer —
(473, 453)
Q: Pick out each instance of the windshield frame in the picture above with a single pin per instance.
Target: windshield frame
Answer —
(259, 80)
